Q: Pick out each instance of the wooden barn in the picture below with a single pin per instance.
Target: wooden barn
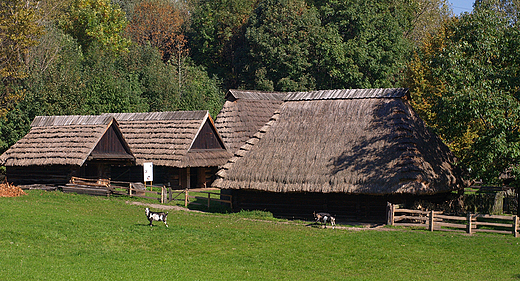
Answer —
(183, 146)
(59, 147)
(244, 113)
(346, 152)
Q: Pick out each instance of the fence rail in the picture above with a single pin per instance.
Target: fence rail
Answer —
(165, 195)
(434, 220)
(208, 198)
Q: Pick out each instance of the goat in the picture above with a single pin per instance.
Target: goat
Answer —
(155, 216)
(325, 218)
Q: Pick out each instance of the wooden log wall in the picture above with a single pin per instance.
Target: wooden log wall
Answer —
(53, 174)
(347, 208)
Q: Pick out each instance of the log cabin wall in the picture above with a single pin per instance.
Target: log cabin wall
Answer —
(51, 174)
(346, 207)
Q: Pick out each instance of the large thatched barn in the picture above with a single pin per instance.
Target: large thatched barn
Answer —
(59, 147)
(243, 113)
(347, 152)
(183, 146)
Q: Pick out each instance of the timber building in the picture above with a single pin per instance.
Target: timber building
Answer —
(183, 146)
(346, 152)
(244, 113)
(59, 147)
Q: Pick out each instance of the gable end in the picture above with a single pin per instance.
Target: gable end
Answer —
(207, 138)
(112, 145)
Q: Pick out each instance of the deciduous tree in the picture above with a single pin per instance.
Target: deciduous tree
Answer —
(96, 23)
(19, 31)
(216, 37)
(465, 84)
(281, 36)
(161, 24)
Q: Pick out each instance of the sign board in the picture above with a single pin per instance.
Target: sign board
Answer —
(148, 171)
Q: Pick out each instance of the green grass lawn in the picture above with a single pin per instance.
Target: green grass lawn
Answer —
(56, 236)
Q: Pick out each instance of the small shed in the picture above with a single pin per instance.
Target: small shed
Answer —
(347, 152)
(243, 113)
(183, 146)
(59, 147)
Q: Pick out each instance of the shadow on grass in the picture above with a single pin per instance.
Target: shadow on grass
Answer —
(215, 207)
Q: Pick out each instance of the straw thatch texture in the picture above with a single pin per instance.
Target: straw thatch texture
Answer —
(357, 146)
(244, 113)
(57, 140)
(165, 138)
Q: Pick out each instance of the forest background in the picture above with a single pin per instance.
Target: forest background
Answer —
(77, 57)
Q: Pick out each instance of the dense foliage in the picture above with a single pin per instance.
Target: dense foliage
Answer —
(465, 83)
(95, 56)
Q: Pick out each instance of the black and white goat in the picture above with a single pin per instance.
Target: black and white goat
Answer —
(325, 218)
(155, 216)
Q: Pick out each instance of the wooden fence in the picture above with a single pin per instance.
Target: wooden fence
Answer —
(434, 220)
(208, 198)
(165, 195)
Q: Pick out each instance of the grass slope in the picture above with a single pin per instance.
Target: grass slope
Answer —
(56, 236)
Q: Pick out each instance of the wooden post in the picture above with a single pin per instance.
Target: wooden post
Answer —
(188, 178)
(162, 194)
(470, 224)
(390, 213)
(432, 213)
(209, 194)
(515, 226)
(170, 193)
(186, 193)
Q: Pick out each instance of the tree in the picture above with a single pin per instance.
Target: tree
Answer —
(19, 31)
(281, 37)
(428, 16)
(96, 23)
(160, 24)
(464, 82)
(374, 50)
(216, 37)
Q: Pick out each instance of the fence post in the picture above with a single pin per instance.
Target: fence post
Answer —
(390, 213)
(186, 197)
(209, 194)
(432, 213)
(162, 194)
(515, 226)
(470, 224)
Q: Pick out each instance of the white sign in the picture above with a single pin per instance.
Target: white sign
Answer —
(148, 171)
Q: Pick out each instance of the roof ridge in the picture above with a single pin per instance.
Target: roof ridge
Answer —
(69, 120)
(159, 116)
(348, 94)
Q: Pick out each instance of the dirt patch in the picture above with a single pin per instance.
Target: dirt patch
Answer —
(10, 190)
(162, 207)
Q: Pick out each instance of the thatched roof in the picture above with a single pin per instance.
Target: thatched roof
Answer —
(59, 140)
(243, 113)
(166, 138)
(346, 141)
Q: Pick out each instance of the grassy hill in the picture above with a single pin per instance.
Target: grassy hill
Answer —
(56, 236)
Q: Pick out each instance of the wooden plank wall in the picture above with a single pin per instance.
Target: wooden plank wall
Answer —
(54, 174)
(354, 208)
